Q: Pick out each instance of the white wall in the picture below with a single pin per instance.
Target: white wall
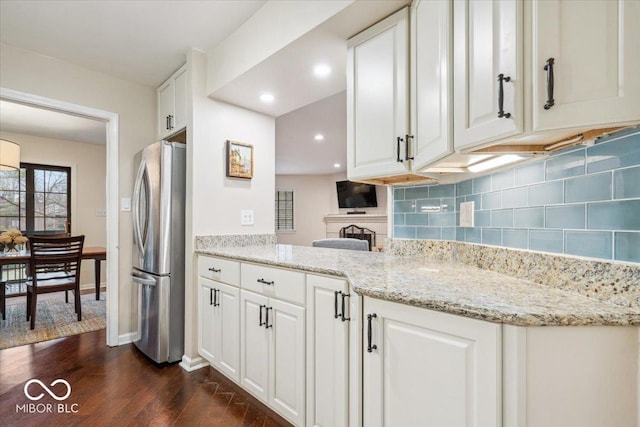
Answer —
(271, 28)
(315, 196)
(135, 104)
(88, 178)
(311, 202)
(214, 201)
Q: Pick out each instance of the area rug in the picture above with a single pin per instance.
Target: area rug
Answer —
(55, 319)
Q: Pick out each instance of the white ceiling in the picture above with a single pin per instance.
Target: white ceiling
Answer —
(143, 41)
(288, 74)
(297, 152)
(304, 104)
(146, 41)
(24, 119)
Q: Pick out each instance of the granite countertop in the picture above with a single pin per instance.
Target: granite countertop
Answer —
(450, 287)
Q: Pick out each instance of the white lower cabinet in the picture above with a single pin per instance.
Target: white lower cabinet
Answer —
(328, 322)
(273, 353)
(426, 368)
(219, 340)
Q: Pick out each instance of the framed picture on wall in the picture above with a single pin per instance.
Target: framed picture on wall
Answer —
(239, 160)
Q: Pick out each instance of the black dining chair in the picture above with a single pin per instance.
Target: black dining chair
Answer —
(54, 267)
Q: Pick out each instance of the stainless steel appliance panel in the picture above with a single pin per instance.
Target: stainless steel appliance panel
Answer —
(158, 208)
(158, 211)
(154, 294)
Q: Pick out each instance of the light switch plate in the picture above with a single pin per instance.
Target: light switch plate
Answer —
(125, 204)
(466, 214)
(246, 217)
(101, 212)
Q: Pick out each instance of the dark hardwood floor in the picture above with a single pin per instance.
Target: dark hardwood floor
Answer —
(118, 386)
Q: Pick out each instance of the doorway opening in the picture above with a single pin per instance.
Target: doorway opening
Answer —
(110, 120)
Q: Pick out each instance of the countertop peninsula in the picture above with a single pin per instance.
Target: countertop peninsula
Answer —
(450, 287)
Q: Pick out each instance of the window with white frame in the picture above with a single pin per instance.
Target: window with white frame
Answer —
(284, 210)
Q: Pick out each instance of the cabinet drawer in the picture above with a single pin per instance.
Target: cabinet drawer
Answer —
(218, 269)
(274, 282)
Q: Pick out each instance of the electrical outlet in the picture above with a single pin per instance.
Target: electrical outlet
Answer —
(246, 217)
(466, 214)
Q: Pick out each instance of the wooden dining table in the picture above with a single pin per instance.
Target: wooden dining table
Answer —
(96, 253)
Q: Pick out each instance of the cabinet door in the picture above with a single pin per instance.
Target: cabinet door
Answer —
(327, 353)
(209, 342)
(377, 99)
(596, 50)
(430, 368)
(254, 344)
(179, 120)
(228, 360)
(487, 43)
(165, 108)
(287, 356)
(431, 81)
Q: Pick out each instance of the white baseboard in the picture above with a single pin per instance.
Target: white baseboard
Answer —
(189, 364)
(127, 338)
(92, 286)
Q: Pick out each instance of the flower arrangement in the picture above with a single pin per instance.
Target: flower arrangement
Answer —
(9, 239)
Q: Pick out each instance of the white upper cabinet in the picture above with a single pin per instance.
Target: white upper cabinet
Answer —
(172, 104)
(377, 99)
(488, 81)
(595, 49)
(431, 81)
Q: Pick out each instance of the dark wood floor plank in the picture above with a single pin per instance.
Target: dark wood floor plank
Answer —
(120, 386)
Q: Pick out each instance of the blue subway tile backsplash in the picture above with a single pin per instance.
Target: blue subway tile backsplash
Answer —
(549, 193)
(627, 246)
(595, 244)
(588, 188)
(528, 217)
(626, 183)
(515, 238)
(581, 201)
(617, 215)
(492, 200)
(515, 198)
(566, 165)
(618, 152)
(492, 236)
(502, 218)
(529, 174)
(564, 216)
(546, 240)
(482, 184)
(502, 180)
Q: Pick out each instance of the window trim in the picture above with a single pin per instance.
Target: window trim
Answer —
(30, 190)
(293, 211)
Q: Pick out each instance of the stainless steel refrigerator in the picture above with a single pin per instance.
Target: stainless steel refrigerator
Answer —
(158, 252)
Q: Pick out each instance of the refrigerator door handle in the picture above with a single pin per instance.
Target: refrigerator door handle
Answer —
(140, 236)
(143, 281)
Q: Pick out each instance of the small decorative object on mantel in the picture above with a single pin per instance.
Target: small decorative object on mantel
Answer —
(9, 240)
(239, 160)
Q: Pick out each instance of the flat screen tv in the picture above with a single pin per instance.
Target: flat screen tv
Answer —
(356, 195)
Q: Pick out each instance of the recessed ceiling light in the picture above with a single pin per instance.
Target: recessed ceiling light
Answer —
(336, 165)
(267, 97)
(319, 137)
(322, 70)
